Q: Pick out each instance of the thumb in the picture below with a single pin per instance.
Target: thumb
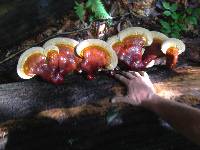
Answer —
(120, 99)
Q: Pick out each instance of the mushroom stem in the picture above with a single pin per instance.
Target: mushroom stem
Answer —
(172, 57)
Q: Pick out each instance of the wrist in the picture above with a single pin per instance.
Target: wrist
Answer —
(151, 103)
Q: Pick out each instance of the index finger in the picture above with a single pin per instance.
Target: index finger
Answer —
(121, 78)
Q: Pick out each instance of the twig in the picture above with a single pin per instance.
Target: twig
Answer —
(44, 40)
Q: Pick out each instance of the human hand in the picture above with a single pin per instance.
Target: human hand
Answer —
(140, 88)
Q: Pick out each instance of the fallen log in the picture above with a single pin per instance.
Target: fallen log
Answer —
(88, 120)
(24, 99)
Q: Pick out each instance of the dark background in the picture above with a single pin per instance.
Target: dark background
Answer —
(22, 18)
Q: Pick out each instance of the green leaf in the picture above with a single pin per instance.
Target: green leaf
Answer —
(175, 35)
(165, 24)
(109, 22)
(166, 5)
(183, 16)
(192, 20)
(183, 27)
(189, 11)
(167, 13)
(175, 16)
(176, 27)
(196, 12)
(91, 18)
(166, 28)
(89, 4)
(165, 31)
(173, 7)
(79, 10)
(98, 9)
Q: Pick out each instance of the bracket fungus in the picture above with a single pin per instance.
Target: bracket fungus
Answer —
(30, 61)
(51, 53)
(96, 54)
(34, 62)
(172, 47)
(136, 48)
(52, 62)
(153, 51)
(129, 44)
(67, 60)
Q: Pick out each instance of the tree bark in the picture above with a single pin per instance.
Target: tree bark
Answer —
(26, 98)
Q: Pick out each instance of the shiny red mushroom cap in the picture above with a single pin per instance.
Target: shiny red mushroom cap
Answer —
(172, 48)
(28, 60)
(137, 32)
(159, 36)
(61, 41)
(173, 43)
(100, 46)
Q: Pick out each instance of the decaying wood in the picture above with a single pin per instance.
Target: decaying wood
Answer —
(184, 86)
(93, 122)
(26, 98)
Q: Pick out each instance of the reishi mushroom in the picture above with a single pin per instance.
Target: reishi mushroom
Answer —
(115, 43)
(51, 53)
(52, 62)
(129, 44)
(67, 60)
(153, 51)
(29, 61)
(60, 56)
(96, 54)
(34, 62)
(172, 47)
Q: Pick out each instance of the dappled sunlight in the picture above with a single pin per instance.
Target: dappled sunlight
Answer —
(185, 83)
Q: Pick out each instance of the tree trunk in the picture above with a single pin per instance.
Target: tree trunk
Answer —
(26, 98)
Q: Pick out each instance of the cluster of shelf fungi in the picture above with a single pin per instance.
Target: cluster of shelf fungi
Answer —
(76, 114)
(61, 56)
